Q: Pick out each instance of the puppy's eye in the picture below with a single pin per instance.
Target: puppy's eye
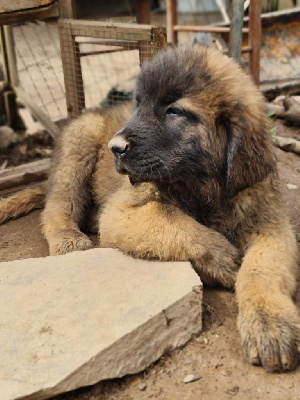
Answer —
(174, 111)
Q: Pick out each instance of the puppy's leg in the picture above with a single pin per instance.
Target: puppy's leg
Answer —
(69, 181)
(152, 229)
(268, 318)
(81, 160)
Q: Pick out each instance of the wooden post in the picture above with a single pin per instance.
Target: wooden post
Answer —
(159, 39)
(10, 77)
(67, 8)
(255, 38)
(143, 8)
(9, 56)
(172, 36)
(72, 71)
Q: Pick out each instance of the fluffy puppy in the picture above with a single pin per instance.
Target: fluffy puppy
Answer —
(195, 179)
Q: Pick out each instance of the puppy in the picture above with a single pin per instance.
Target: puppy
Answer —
(195, 179)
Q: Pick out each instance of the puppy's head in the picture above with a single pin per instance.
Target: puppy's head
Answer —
(198, 118)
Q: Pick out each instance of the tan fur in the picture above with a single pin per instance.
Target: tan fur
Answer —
(22, 202)
(253, 228)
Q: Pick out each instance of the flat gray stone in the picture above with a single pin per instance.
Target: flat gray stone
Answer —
(71, 321)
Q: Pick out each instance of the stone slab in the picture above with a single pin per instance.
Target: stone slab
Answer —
(73, 320)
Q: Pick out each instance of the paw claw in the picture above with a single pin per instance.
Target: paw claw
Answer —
(69, 241)
(270, 341)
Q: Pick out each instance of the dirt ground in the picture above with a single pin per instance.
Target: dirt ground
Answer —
(216, 356)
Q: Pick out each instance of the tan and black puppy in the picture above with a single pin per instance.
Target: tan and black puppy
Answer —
(194, 179)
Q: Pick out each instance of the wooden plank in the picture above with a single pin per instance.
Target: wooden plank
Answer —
(18, 5)
(206, 28)
(50, 11)
(117, 31)
(106, 50)
(106, 42)
(24, 174)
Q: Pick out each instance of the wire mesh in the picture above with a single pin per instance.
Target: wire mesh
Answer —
(106, 65)
(39, 66)
(102, 52)
(102, 63)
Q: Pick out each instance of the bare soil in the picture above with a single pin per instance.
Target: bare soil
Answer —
(216, 356)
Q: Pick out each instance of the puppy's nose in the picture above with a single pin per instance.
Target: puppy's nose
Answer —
(118, 146)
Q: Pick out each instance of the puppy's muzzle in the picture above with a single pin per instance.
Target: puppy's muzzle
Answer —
(119, 146)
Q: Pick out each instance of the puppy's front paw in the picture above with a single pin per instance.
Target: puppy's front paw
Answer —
(67, 241)
(218, 266)
(271, 339)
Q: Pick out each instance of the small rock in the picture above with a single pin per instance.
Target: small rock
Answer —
(187, 362)
(291, 186)
(202, 340)
(226, 372)
(233, 391)
(142, 386)
(216, 325)
(191, 378)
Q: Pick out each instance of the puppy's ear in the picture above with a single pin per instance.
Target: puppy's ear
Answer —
(248, 154)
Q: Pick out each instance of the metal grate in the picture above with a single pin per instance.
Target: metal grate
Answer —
(119, 47)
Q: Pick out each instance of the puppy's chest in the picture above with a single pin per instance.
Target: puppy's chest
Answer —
(205, 212)
(218, 217)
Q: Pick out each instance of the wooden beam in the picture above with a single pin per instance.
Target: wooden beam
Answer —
(7, 6)
(15, 17)
(205, 28)
(23, 174)
(116, 31)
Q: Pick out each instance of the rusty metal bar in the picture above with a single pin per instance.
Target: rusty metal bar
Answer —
(254, 38)
(235, 36)
(172, 35)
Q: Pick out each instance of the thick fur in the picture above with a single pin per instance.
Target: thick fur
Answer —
(195, 179)
(22, 202)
